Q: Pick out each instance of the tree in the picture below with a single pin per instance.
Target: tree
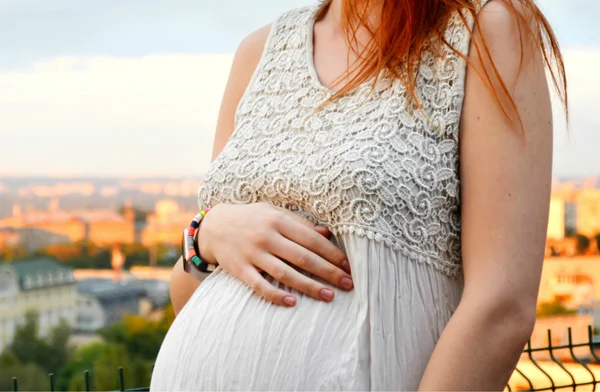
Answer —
(138, 335)
(555, 308)
(49, 354)
(583, 243)
(13, 253)
(82, 359)
(59, 346)
(30, 377)
(103, 360)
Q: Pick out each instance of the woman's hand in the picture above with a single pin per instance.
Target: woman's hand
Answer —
(249, 238)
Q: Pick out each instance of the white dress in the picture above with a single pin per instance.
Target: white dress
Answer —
(383, 176)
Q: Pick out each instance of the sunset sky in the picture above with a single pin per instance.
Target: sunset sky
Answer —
(132, 87)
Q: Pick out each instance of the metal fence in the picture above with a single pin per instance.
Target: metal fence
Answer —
(540, 368)
(88, 382)
(572, 372)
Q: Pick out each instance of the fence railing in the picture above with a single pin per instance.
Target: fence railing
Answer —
(88, 382)
(549, 368)
(559, 367)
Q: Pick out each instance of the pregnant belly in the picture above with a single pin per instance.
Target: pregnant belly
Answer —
(228, 338)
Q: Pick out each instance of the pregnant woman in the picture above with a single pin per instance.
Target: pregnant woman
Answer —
(378, 202)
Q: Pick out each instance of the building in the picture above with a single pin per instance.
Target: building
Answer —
(147, 272)
(141, 272)
(102, 227)
(570, 217)
(153, 280)
(101, 302)
(166, 224)
(573, 281)
(42, 286)
(9, 238)
(109, 227)
(30, 239)
(587, 204)
(57, 222)
(556, 218)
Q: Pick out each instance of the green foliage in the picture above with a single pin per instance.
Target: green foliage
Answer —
(103, 361)
(86, 255)
(9, 254)
(31, 377)
(82, 359)
(555, 308)
(139, 335)
(132, 344)
(81, 254)
(49, 354)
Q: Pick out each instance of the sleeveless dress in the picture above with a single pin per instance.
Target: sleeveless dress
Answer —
(383, 176)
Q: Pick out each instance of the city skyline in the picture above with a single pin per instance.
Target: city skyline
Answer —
(133, 88)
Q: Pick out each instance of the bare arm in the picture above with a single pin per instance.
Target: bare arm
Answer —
(245, 61)
(506, 178)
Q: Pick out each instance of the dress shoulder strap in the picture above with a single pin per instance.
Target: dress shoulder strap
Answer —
(286, 30)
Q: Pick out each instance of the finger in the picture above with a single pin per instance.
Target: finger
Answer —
(323, 231)
(314, 242)
(311, 262)
(303, 220)
(262, 287)
(287, 275)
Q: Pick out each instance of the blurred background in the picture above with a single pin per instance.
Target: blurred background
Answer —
(107, 116)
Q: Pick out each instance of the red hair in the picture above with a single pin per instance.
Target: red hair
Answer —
(406, 28)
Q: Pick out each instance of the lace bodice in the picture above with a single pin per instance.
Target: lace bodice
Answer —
(368, 163)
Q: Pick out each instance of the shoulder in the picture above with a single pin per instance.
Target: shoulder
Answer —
(506, 34)
(253, 44)
(246, 59)
(506, 22)
(250, 49)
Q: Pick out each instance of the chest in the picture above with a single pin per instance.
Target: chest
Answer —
(361, 159)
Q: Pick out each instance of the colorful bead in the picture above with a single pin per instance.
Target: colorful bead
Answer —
(196, 260)
(190, 254)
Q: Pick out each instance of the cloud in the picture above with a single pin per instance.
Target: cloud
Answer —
(157, 114)
(154, 114)
(576, 150)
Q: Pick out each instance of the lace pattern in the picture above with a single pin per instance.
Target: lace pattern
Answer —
(366, 164)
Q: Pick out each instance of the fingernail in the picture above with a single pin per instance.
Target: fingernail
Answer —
(347, 283)
(326, 294)
(346, 265)
(289, 300)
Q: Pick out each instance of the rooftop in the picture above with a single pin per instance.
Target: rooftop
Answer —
(107, 289)
(41, 272)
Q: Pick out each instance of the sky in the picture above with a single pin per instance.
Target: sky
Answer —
(133, 87)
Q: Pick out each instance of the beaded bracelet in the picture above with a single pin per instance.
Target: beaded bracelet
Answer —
(190, 247)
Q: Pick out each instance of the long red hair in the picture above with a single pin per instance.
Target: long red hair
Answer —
(407, 27)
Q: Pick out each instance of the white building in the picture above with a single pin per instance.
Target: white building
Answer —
(39, 285)
(556, 219)
(102, 302)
